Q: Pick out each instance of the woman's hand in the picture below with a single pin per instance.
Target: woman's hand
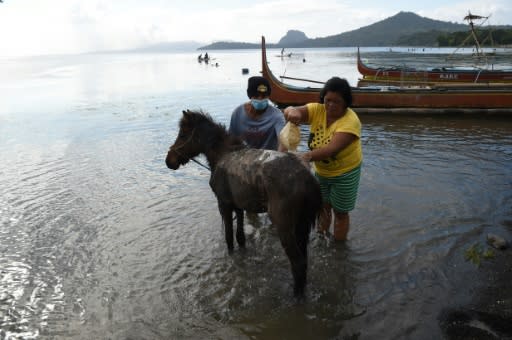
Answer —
(293, 115)
(304, 157)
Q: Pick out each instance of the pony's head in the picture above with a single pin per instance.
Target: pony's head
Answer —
(198, 133)
(186, 145)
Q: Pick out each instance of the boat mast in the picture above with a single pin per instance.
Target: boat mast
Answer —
(470, 17)
(479, 51)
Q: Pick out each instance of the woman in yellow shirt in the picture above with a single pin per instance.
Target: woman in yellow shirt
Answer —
(335, 149)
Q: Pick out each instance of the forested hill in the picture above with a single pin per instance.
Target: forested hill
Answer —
(386, 32)
(383, 33)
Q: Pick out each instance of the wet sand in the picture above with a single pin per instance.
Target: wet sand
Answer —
(489, 314)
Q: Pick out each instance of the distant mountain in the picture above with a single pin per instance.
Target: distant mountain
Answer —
(427, 38)
(388, 32)
(291, 38)
(229, 45)
(179, 46)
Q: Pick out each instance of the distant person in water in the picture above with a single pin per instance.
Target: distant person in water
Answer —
(257, 122)
(206, 56)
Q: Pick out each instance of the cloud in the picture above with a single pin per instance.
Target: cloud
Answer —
(499, 11)
(73, 26)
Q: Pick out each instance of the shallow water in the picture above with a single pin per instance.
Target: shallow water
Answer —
(98, 239)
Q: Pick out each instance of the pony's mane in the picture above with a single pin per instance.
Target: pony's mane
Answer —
(201, 118)
(195, 118)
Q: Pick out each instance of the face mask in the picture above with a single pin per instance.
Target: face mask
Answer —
(259, 104)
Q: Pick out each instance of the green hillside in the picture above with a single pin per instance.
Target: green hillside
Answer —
(402, 29)
(386, 32)
(486, 37)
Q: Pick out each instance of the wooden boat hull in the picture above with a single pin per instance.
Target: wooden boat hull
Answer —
(447, 75)
(449, 99)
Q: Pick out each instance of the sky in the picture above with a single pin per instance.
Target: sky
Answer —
(38, 27)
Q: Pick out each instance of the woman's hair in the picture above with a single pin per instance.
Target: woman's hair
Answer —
(340, 86)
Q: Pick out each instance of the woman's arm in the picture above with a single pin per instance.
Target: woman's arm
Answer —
(296, 114)
(339, 141)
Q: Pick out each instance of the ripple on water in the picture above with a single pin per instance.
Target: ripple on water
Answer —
(30, 284)
(99, 239)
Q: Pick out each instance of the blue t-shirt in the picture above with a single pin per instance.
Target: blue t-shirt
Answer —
(260, 133)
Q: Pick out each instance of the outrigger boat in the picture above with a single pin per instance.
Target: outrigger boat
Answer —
(439, 74)
(393, 99)
(433, 75)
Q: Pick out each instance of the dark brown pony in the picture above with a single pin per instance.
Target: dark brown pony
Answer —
(256, 181)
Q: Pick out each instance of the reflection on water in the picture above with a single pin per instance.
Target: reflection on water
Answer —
(98, 239)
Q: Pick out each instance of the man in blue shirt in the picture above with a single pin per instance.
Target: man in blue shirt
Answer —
(255, 121)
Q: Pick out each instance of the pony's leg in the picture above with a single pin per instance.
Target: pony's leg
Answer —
(227, 217)
(240, 235)
(296, 249)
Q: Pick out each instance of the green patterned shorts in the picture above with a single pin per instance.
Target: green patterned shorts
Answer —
(341, 191)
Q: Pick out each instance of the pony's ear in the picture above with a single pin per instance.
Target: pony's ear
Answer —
(187, 114)
(188, 117)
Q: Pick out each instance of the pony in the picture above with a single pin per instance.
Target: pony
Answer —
(255, 181)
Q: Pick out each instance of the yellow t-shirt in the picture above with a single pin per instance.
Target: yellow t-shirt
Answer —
(348, 158)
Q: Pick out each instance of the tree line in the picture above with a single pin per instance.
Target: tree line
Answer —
(486, 38)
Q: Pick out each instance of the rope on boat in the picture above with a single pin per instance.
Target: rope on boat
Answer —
(302, 79)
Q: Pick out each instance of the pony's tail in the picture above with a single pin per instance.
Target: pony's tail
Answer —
(309, 213)
(311, 210)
